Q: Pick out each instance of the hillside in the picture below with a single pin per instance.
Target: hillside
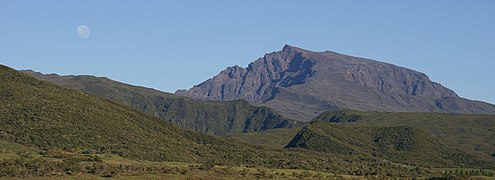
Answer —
(45, 116)
(400, 144)
(210, 117)
(275, 138)
(471, 133)
(301, 84)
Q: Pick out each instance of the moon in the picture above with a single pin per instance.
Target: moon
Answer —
(83, 31)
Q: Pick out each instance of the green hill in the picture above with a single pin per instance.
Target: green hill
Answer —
(471, 133)
(400, 144)
(210, 117)
(42, 115)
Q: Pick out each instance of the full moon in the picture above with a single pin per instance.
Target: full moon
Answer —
(83, 31)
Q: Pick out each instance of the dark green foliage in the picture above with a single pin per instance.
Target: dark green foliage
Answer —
(220, 117)
(24, 167)
(473, 134)
(339, 116)
(465, 173)
(40, 114)
(210, 117)
(276, 138)
(208, 165)
(46, 116)
(400, 144)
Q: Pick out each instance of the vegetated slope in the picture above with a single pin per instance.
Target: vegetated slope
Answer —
(275, 138)
(48, 117)
(474, 134)
(210, 117)
(301, 84)
(400, 144)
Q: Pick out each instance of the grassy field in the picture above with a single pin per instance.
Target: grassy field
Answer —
(217, 173)
(175, 170)
(10, 150)
(111, 165)
(116, 167)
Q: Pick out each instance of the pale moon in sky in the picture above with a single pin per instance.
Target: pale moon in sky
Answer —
(83, 31)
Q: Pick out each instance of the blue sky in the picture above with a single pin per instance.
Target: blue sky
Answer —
(169, 45)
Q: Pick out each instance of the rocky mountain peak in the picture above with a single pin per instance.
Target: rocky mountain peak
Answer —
(294, 79)
(288, 48)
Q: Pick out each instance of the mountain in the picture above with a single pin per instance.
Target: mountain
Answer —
(400, 144)
(41, 115)
(210, 117)
(301, 84)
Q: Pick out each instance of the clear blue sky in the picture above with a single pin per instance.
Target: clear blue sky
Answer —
(169, 45)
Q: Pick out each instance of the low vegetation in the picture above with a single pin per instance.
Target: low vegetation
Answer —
(474, 134)
(63, 165)
(399, 144)
(274, 138)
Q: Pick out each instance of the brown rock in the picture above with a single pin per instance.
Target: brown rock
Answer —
(301, 84)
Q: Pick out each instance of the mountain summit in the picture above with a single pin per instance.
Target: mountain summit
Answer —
(301, 84)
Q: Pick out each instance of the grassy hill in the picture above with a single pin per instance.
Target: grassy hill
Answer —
(42, 115)
(210, 117)
(400, 144)
(474, 134)
(426, 139)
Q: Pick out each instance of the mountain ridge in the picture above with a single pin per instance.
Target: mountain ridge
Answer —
(301, 84)
(210, 117)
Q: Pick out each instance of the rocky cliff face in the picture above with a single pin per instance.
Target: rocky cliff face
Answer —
(255, 83)
(301, 84)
